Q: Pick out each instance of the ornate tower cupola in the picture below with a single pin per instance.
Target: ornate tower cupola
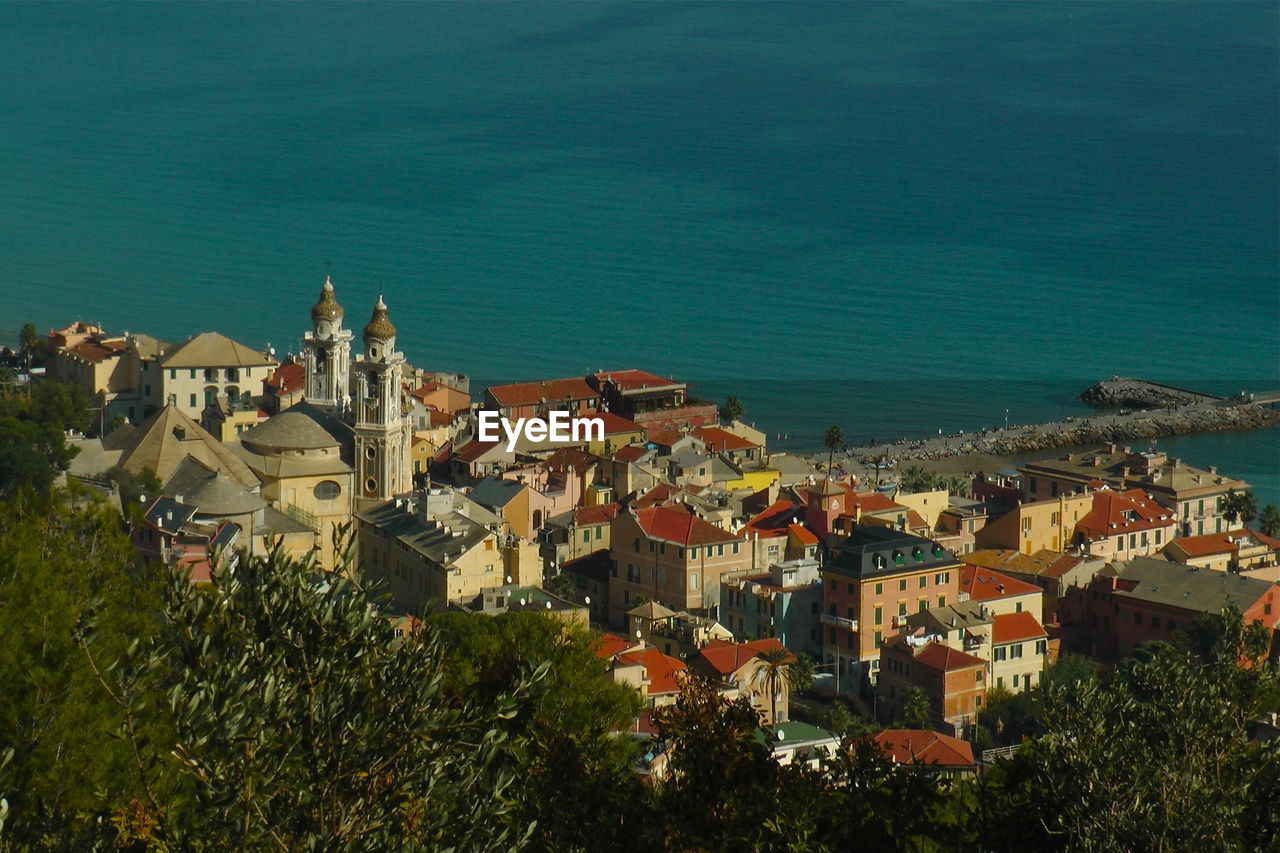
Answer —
(326, 314)
(383, 429)
(326, 352)
(379, 334)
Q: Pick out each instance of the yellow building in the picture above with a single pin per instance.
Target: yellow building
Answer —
(195, 373)
(437, 548)
(1040, 525)
(299, 457)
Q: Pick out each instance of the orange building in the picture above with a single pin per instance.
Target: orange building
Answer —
(954, 681)
(872, 581)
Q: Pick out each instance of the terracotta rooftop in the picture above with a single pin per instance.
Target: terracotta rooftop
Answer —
(946, 659)
(1012, 627)
(728, 658)
(1114, 513)
(286, 378)
(720, 440)
(680, 526)
(1228, 541)
(661, 670)
(551, 390)
(913, 746)
(988, 584)
(636, 380)
(613, 424)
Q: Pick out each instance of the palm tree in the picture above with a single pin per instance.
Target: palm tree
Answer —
(1269, 521)
(731, 410)
(1241, 505)
(777, 670)
(916, 709)
(29, 340)
(834, 440)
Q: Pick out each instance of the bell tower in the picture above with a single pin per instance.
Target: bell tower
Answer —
(383, 430)
(327, 355)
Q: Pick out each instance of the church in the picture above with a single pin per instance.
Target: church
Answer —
(346, 446)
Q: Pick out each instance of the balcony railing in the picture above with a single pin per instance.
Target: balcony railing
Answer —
(840, 621)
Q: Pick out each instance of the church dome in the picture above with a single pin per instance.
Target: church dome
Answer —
(327, 308)
(379, 327)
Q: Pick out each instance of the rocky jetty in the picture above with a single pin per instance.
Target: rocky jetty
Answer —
(1118, 392)
(1105, 428)
(1138, 426)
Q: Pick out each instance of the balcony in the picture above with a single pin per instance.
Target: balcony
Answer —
(839, 621)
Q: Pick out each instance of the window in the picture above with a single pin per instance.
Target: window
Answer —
(679, 553)
(942, 601)
(999, 653)
(636, 543)
(193, 399)
(662, 547)
(599, 533)
(879, 589)
(1137, 618)
(193, 373)
(735, 547)
(1042, 646)
(851, 589)
(923, 605)
(326, 490)
(1015, 652)
(586, 536)
(693, 580)
(173, 374)
(999, 681)
(1017, 608)
(977, 678)
(902, 608)
(1159, 536)
(651, 548)
(877, 638)
(923, 581)
(879, 617)
(146, 390)
(1053, 493)
(693, 553)
(902, 585)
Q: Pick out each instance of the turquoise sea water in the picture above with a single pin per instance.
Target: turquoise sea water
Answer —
(898, 217)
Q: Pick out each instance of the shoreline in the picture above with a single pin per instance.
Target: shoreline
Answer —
(991, 450)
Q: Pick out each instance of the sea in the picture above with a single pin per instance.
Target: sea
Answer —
(895, 217)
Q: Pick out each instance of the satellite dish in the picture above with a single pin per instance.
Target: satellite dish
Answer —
(588, 600)
(781, 735)
(638, 635)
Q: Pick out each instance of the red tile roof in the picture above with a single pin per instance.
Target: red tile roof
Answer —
(988, 584)
(634, 380)
(1220, 543)
(946, 659)
(613, 424)
(95, 350)
(287, 377)
(680, 526)
(473, 450)
(1012, 627)
(551, 390)
(662, 670)
(774, 521)
(803, 534)
(665, 435)
(912, 746)
(608, 645)
(1107, 518)
(720, 440)
(728, 658)
(596, 514)
(630, 453)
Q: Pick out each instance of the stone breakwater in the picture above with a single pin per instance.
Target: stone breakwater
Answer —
(1140, 394)
(1102, 429)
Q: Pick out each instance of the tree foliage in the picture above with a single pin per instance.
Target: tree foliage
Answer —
(732, 410)
(1241, 506)
(1157, 758)
(59, 568)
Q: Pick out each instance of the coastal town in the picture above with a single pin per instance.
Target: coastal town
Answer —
(909, 599)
